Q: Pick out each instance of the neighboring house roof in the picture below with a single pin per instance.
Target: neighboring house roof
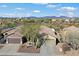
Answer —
(71, 28)
(15, 35)
(46, 30)
(70, 33)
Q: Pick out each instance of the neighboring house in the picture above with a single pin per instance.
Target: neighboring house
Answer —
(70, 35)
(53, 20)
(72, 30)
(67, 20)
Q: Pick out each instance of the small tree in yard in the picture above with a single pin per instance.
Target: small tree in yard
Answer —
(31, 33)
(38, 41)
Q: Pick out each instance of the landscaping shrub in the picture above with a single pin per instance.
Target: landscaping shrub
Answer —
(72, 38)
(31, 33)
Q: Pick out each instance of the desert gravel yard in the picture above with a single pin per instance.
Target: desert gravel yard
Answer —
(31, 49)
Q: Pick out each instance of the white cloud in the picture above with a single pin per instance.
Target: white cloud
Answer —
(4, 6)
(69, 9)
(19, 8)
(37, 11)
(16, 15)
(41, 3)
(68, 14)
(27, 14)
(51, 6)
(44, 3)
(7, 15)
(71, 14)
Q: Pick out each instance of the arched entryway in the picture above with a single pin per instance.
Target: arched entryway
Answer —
(24, 39)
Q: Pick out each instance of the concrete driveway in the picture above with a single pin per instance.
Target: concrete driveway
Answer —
(11, 50)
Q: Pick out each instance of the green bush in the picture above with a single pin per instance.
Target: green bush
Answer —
(10, 25)
(31, 33)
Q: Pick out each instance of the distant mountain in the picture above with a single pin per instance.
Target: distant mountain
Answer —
(55, 17)
(49, 17)
(42, 17)
(31, 17)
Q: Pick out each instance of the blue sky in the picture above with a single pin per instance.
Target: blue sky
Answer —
(39, 9)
